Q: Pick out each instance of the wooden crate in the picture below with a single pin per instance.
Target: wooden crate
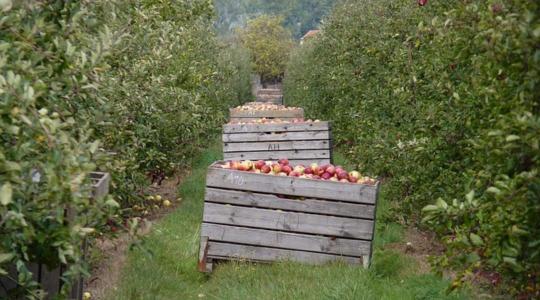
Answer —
(50, 279)
(265, 218)
(302, 143)
(251, 115)
(274, 96)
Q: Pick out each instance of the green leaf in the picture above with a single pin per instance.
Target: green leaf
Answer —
(476, 239)
(112, 203)
(493, 190)
(5, 257)
(470, 196)
(6, 194)
(430, 207)
(442, 204)
(512, 138)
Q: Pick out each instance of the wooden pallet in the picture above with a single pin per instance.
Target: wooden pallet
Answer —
(265, 218)
(251, 115)
(50, 280)
(301, 143)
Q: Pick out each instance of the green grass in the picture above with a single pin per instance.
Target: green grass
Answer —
(169, 272)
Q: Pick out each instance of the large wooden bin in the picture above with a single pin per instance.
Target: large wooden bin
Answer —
(302, 143)
(50, 279)
(265, 218)
(290, 114)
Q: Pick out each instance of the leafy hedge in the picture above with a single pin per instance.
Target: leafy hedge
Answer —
(442, 100)
(146, 79)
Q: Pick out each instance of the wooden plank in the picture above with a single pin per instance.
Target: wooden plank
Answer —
(275, 155)
(269, 92)
(334, 208)
(286, 136)
(274, 146)
(242, 252)
(288, 221)
(250, 119)
(50, 281)
(290, 113)
(279, 127)
(294, 186)
(285, 240)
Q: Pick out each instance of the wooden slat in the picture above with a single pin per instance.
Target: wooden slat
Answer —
(238, 180)
(250, 119)
(285, 240)
(50, 281)
(288, 221)
(273, 146)
(279, 127)
(307, 162)
(234, 251)
(286, 136)
(269, 92)
(291, 113)
(275, 155)
(334, 208)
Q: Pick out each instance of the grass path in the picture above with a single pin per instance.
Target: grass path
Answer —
(169, 271)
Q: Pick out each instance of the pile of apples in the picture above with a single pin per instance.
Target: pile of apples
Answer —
(314, 171)
(263, 106)
(274, 121)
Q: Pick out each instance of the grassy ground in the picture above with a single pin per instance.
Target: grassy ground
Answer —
(169, 271)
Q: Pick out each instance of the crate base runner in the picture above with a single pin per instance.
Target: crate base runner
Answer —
(265, 218)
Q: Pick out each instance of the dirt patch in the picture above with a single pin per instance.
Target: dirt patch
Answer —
(112, 253)
(418, 245)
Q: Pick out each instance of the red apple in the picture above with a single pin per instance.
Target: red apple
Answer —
(308, 171)
(235, 165)
(294, 174)
(314, 167)
(283, 161)
(259, 164)
(326, 176)
(266, 169)
(339, 169)
(324, 167)
(276, 168)
(343, 175)
(331, 170)
(286, 169)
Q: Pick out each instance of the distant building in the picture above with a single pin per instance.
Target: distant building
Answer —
(308, 35)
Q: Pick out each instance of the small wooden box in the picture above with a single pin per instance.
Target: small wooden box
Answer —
(302, 143)
(50, 279)
(265, 218)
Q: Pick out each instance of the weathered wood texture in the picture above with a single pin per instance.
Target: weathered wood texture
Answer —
(265, 218)
(50, 279)
(306, 142)
(292, 113)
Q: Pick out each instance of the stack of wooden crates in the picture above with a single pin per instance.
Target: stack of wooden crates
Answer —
(265, 218)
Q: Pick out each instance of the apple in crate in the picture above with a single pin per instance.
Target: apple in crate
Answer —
(259, 164)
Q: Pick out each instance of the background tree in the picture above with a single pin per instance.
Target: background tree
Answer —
(299, 16)
(269, 44)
